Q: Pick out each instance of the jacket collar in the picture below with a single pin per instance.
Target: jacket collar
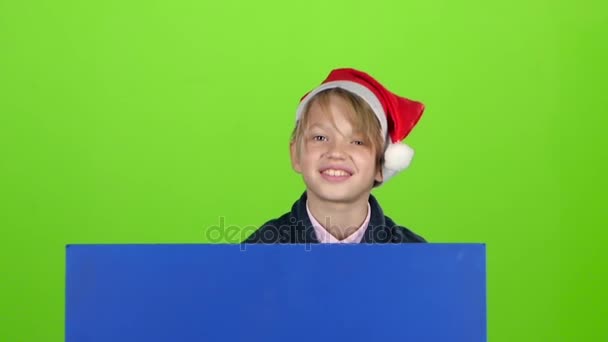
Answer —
(376, 229)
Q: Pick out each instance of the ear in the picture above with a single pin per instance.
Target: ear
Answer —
(379, 177)
(295, 157)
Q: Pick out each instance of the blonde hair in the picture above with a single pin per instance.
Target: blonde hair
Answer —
(362, 118)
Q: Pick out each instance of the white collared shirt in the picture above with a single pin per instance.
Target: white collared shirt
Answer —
(325, 237)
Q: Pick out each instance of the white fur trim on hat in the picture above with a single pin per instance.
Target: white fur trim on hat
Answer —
(355, 88)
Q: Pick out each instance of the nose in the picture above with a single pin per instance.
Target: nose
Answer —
(336, 150)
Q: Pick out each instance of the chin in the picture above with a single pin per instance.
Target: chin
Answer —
(337, 195)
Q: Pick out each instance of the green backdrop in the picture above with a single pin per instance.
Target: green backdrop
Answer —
(152, 121)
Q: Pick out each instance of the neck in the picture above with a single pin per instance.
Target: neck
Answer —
(340, 219)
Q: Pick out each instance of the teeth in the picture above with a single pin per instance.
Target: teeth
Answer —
(335, 173)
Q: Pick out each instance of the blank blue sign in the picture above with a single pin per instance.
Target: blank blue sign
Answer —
(358, 292)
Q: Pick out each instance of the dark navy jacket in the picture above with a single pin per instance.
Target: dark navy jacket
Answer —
(295, 227)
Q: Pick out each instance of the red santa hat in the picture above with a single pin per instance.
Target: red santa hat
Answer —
(397, 115)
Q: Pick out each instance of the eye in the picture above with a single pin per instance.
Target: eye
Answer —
(358, 142)
(319, 138)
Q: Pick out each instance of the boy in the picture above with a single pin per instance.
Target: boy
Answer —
(347, 140)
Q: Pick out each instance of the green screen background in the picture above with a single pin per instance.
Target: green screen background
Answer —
(152, 121)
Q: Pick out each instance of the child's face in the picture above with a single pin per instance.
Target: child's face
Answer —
(335, 162)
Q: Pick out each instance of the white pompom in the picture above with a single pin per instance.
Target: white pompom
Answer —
(398, 157)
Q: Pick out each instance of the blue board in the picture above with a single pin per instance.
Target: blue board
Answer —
(358, 292)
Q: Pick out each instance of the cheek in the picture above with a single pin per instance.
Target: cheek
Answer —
(363, 153)
(311, 150)
(366, 159)
(308, 155)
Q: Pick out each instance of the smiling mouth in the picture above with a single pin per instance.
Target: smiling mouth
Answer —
(335, 175)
